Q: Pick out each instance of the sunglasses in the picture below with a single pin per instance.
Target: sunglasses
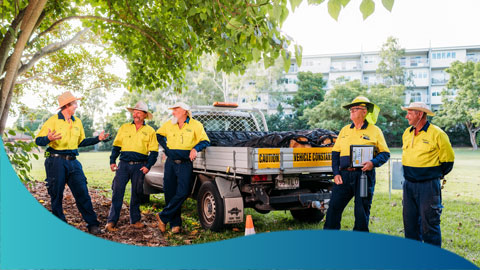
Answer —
(357, 109)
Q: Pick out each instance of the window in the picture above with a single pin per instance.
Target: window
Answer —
(449, 54)
(416, 97)
(434, 55)
(454, 55)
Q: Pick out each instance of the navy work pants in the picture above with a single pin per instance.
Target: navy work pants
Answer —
(341, 196)
(177, 182)
(60, 172)
(124, 173)
(422, 207)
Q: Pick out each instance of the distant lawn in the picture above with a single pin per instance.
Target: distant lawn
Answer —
(460, 218)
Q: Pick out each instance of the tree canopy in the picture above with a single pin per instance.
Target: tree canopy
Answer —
(330, 114)
(464, 109)
(159, 40)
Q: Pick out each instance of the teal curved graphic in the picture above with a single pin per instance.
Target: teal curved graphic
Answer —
(32, 238)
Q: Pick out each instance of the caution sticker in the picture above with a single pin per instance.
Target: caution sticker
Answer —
(268, 158)
(312, 157)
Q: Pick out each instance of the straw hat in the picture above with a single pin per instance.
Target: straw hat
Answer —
(419, 106)
(66, 98)
(183, 106)
(141, 106)
(373, 110)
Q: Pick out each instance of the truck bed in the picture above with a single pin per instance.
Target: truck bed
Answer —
(261, 161)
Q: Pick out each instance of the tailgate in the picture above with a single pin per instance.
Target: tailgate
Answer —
(293, 160)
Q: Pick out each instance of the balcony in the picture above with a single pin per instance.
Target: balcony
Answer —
(414, 62)
(439, 81)
(351, 68)
(473, 58)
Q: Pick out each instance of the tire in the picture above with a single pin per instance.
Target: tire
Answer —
(210, 207)
(308, 215)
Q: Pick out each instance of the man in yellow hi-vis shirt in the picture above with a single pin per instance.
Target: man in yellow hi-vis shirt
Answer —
(427, 156)
(137, 146)
(181, 138)
(362, 131)
(63, 133)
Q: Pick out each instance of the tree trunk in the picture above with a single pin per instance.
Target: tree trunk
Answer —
(4, 116)
(8, 39)
(32, 14)
(473, 136)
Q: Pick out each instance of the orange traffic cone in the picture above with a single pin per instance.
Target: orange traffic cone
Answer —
(249, 229)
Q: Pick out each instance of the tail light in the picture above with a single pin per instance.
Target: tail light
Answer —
(261, 178)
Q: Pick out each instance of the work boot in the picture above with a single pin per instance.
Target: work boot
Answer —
(95, 230)
(111, 227)
(138, 225)
(161, 226)
(176, 229)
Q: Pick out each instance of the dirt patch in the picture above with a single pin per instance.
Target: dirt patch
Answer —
(147, 236)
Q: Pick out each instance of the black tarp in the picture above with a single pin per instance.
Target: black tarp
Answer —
(315, 138)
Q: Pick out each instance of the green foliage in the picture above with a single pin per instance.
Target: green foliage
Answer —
(367, 7)
(309, 94)
(391, 119)
(330, 114)
(31, 118)
(465, 107)
(20, 153)
(113, 123)
(279, 121)
(87, 123)
(389, 67)
(160, 42)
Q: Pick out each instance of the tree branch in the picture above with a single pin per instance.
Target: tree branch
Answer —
(34, 9)
(51, 48)
(98, 18)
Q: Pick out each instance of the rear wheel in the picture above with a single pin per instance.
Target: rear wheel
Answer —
(210, 207)
(308, 215)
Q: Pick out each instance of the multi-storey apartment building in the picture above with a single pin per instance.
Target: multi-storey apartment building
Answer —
(424, 67)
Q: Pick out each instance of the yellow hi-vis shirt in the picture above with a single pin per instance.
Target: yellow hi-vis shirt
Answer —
(429, 155)
(368, 134)
(141, 141)
(191, 133)
(72, 133)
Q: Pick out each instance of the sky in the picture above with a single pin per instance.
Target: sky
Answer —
(416, 23)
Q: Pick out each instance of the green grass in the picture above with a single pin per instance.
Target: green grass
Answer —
(460, 218)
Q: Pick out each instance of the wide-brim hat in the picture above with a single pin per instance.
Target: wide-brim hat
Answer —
(141, 106)
(372, 108)
(419, 106)
(183, 106)
(66, 98)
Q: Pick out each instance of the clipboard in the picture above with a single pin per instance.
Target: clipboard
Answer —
(360, 154)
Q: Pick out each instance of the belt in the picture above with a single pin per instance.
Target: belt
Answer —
(351, 169)
(180, 161)
(66, 157)
(135, 162)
